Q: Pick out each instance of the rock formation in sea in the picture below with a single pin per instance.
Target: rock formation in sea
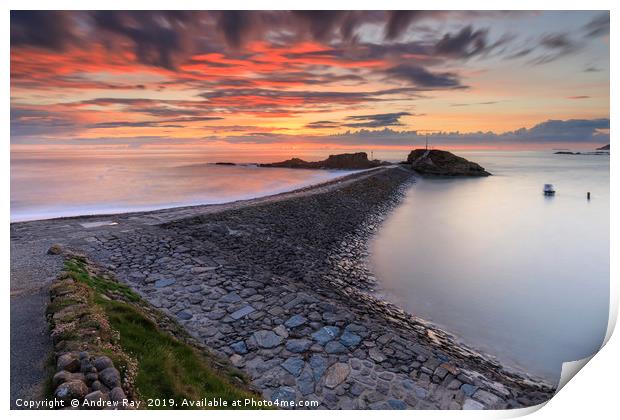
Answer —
(606, 147)
(443, 163)
(342, 161)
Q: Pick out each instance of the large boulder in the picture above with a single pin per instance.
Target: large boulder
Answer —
(71, 390)
(443, 163)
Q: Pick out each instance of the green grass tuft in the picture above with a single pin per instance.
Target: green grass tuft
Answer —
(98, 284)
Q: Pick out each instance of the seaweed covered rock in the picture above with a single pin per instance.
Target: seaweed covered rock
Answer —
(443, 163)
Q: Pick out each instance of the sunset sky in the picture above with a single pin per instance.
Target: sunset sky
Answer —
(201, 80)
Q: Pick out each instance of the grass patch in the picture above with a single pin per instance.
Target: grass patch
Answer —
(167, 367)
(98, 284)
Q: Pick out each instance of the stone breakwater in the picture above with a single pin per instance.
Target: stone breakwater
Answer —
(280, 288)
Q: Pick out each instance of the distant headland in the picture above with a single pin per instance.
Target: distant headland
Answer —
(342, 161)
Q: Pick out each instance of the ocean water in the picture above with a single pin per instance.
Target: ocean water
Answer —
(48, 185)
(511, 272)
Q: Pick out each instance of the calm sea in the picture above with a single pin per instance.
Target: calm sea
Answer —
(519, 275)
(48, 185)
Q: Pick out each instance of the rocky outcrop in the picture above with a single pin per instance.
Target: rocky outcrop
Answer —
(443, 163)
(606, 147)
(343, 161)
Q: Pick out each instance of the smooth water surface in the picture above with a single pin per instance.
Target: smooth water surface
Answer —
(54, 185)
(521, 276)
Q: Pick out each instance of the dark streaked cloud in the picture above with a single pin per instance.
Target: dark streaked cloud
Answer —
(599, 26)
(376, 120)
(159, 37)
(474, 103)
(37, 122)
(323, 24)
(323, 124)
(466, 43)
(555, 46)
(420, 77)
(156, 123)
(52, 29)
(399, 21)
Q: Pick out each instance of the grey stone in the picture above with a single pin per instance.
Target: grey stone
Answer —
(468, 389)
(267, 339)
(441, 372)
(376, 355)
(185, 315)
(350, 339)
(386, 376)
(61, 377)
(232, 297)
(71, 390)
(487, 398)
(356, 328)
(239, 347)
(454, 384)
(293, 365)
(217, 314)
(325, 334)
(305, 383)
(336, 374)
(91, 377)
(295, 321)
(96, 386)
(164, 283)
(397, 404)
(420, 392)
(298, 345)
(281, 331)
(237, 360)
(408, 384)
(335, 347)
(102, 362)
(94, 397)
(284, 393)
(110, 377)
(319, 365)
(86, 365)
(194, 288)
(246, 310)
(470, 404)
(68, 362)
(357, 389)
(117, 394)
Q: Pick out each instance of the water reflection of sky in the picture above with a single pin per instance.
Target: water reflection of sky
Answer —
(519, 275)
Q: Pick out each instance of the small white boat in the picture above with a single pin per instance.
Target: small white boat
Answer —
(548, 189)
